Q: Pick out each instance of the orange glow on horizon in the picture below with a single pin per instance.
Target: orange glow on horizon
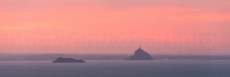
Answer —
(101, 26)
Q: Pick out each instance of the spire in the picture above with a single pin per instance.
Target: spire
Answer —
(140, 47)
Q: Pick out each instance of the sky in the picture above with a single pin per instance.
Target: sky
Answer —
(115, 26)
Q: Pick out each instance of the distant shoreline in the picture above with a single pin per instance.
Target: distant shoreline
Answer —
(48, 57)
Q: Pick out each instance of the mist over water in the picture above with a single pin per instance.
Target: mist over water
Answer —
(117, 68)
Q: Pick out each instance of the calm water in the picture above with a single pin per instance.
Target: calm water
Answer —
(117, 68)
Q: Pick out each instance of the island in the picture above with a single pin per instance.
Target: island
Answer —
(68, 60)
(140, 54)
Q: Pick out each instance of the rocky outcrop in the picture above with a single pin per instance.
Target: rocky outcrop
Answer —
(68, 60)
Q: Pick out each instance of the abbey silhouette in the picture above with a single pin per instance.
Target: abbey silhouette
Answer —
(140, 54)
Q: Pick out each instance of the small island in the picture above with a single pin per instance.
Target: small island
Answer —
(140, 54)
(68, 60)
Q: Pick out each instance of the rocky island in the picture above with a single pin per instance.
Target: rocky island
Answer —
(140, 54)
(68, 60)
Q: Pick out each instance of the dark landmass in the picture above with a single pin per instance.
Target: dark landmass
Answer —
(68, 60)
(51, 57)
(140, 54)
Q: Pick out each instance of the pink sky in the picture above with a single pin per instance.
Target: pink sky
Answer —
(115, 26)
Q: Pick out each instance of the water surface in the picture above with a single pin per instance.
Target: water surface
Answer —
(117, 68)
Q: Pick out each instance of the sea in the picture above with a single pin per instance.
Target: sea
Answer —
(117, 68)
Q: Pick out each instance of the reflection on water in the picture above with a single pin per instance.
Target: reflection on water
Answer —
(117, 68)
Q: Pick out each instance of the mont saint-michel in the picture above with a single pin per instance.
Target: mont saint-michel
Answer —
(140, 54)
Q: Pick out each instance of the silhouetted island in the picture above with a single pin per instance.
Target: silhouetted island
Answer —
(140, 54)
(68, 60)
